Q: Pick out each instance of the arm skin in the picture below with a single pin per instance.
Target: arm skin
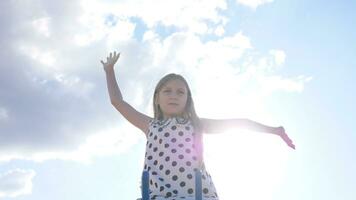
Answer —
(136, 118)
(221, 125)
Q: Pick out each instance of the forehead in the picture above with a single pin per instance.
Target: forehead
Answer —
(175, 84)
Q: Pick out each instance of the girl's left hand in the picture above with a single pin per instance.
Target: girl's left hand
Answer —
(282, 133)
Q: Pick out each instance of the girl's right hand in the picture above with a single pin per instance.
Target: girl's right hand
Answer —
(110, 61)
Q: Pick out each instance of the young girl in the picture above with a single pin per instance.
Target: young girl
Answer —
(174, 136)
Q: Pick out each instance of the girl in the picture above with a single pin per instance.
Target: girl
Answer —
(174, 136)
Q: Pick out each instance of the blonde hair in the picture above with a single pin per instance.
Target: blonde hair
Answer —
(189, 110)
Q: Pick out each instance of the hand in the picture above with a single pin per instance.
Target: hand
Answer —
(281, 132)
(110, 61)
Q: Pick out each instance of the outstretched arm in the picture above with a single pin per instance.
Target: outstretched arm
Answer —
(221, 125)
(136, 118)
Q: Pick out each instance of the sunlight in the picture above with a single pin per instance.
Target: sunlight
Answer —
(245, 165)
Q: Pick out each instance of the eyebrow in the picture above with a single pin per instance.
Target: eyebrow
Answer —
(166, 87)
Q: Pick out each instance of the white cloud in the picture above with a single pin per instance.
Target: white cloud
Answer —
(3, 114)
(60, 80)
(42, 26)
(180, 14)
(219, 31)
(279, 56)
(253, 3)
(278, 83)
(16, 182)
(43, 56)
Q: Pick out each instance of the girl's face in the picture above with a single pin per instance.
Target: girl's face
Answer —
(172, 98)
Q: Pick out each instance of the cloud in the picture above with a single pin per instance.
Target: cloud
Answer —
(53, 98)
(253, 3)
(16, 182)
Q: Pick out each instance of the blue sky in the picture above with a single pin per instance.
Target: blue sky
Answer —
(281, 63)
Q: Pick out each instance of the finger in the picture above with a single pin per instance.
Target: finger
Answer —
(114, 54)
(110, 55)
(117, 56)
(102, 62)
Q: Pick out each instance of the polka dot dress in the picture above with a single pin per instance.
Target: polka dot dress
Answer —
(171, 159)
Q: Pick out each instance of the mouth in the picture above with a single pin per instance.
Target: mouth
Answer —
(173, 104)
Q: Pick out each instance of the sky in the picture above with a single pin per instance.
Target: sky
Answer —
(287, 63)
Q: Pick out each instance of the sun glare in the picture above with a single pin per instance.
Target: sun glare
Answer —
(245, 165)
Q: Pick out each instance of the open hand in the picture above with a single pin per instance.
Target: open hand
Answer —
(110, 61)
(282, 133)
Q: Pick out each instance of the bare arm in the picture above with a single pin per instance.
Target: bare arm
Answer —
(136, 118)
(221, 125)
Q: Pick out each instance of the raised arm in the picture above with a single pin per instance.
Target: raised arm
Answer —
(136, 118)
(221, 125)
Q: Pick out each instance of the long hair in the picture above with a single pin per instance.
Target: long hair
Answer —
(189, 110)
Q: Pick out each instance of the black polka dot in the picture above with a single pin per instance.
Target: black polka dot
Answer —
(168, 185)
(169, 194)
(154, 173)
(189, 163)
(160, 141)
(181, 145)
(168, 172)
(160, 129)
(155, 138)
(173, 127)
(161, 188)
(151, 134)
(187, 139)
(155, 162)
(187, 128)
(166, 134)
(194, 158)
(167, 158)
(206, 191)
(151, 182)
(149, 146)
(155, 149)
(181, 156)
(180, 133)
(174, 150)
(173, 140)
(181, 169)
(149, 157)
(161, 179)
(149, 168)
(175, 177)
(190, 191)
(161, 167)
(189, 176)
(156, 185)
(174, 163)
(187, 150)
(160, 154)
(175, 191)
(166, 145)
(182, 184)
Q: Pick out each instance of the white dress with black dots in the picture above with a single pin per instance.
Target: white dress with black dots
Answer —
(171, 159)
